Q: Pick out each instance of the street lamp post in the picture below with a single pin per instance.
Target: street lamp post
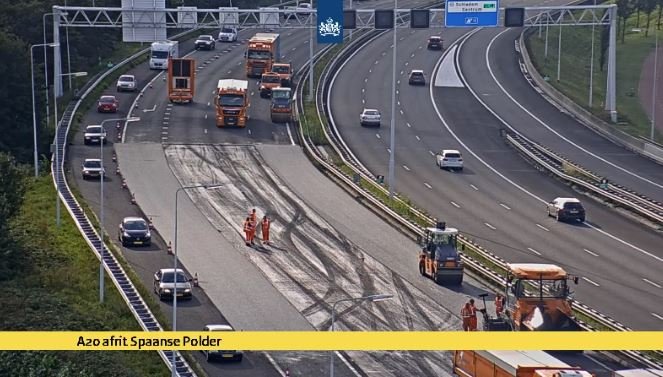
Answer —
(43, 23)
(101, 220)
(34, 111)
(392, 133)
(653, 100)
(371, 298)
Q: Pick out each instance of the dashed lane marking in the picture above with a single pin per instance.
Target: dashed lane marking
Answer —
(427, 185)
(505, 206)
(474, 187)
(490, 226)
(591, 282)
(534, 251)
(652, 283)
(406, 168)
(590, 252)
(454, 204)
(543, 227)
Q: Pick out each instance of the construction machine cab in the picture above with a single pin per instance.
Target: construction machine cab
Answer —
(439, 258)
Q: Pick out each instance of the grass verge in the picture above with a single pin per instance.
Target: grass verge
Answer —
(57, 290)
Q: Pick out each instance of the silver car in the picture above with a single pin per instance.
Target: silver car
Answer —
(94, 134)
(165, 285)
(92, 168)
(221, 354)
(370, 117)
(126, 82)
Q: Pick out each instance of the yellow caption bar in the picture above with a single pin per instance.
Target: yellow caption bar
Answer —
(326, 341)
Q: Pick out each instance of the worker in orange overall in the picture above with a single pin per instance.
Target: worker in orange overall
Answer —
(265, 223)
(248, 231)
(253, 216)
(465, 314)
(473, 316)
(499, 304)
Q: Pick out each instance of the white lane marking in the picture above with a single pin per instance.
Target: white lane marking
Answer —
(427, 185)
(544, 124)
(543, 227)
(366, 80)
(409, 125)
(208, 103)
(377, 61)
(166, 113)
(412, 56)
(519, 187)
(377, 135)
(164, 122)
(399, 102)
(590, 252)
(657, 316)
(164, 127)
(294, 48)
(591, 282)
(505, 206)
(388, 150)
(363, 101)
(239, 63)
(406, 168)
(398, 82)
(474, 187)
(406, 63)
(166, 118)
(401, 111)
(490, 226)
(205, 130)
(454, 204)
(229, 72)
(431, 153)
(252, 93)
(401, 72)
(363, 90)
(164, 132)
(205, 116)
(652, 283)
(287, 127)
(370, 70)
(249, 131)
(534, 251)
(418, 138)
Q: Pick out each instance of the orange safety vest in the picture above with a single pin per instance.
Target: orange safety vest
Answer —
(466, 313)
(473, 312)
(499, 304)
(265, 225)
(252, 216)
(247, 226)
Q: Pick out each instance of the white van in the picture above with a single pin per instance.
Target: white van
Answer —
(161, 51)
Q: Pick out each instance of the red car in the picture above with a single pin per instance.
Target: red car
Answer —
(108, 104)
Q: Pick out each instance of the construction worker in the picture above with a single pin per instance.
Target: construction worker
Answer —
(247, 231)
(265, 223)
(253, 216)
(499, 304)
(473, 316)
(465, 314)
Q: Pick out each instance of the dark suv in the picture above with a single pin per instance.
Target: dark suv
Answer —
(435, 43)
(134, 231)
(566, 209)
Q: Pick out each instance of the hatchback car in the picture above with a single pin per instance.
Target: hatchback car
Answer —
(165, 284)
(227, 34)
(126, 82)
(211, 355)
(434, 43)
(417, 77)
(92, 168)
(370, 117)
(205, 42)
(108, 104)
(566, 209)
(94, 134)
(134, 231)
(449, 159)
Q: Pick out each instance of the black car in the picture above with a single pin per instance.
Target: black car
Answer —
(435, 43)
(564, 209)
(134, 231)
(417, 77)
(205, 42)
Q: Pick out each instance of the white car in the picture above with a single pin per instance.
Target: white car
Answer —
(94, 134)
(370, 117)
(227, 34)
(449, 159)
(222, 354)
(126, 82)
(92, 168)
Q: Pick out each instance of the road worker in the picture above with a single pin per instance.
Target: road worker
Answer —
(253, 216)
(247, 230)
(465, 314)
(473, 316)
(265, 223)
(499, 304)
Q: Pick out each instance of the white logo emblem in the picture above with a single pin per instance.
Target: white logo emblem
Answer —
(330, 28)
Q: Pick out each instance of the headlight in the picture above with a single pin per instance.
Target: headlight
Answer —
(166, 290)
(187, 290)
(148, 235)
(126, 234)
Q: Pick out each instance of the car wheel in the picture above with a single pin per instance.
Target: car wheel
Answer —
(558, 217)
(548, 210)
(582, 219)
(239, 358)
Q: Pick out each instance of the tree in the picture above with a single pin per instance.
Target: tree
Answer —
(660, 11)
(625, 9)
(12, 187)
(639, 6)
(648, 8)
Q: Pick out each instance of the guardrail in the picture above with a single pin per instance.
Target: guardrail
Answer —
(121, 280)
(489, 275)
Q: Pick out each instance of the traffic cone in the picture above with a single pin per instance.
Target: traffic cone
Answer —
(133, 198)
(124, 183)
(118, 126)
(150, 224)
(169, 249)
(195, 279)
(117, 171)
(114, 157)
(287, 372)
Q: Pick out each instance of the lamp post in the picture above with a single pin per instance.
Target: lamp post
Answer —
(57, 147)
(43, 23)
(205, 186)
(392, 133)
(653, 100)
(370, 298)
(101, 195)
(34, 111)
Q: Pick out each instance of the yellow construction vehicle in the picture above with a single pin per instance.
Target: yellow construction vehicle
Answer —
(439, 258)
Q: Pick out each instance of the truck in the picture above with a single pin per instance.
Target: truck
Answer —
(181, 79)
(537, 298)
(438, 257)
(161, 51)
(638, 373)
(284, 70)
(263, 50)
(512, 364)
(232, 103)
(281, 106)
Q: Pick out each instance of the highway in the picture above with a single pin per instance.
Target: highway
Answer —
(618, 259)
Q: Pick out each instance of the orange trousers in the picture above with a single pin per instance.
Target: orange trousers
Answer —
(265, 234)
(473, 323)
(466, 324)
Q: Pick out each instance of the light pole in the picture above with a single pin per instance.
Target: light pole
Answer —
(34, 111)
(205, 186)
(43, 23)
(57, 147)
(392, 133)
(591, 62)
(653, 100)
(101, 195)
(370, 298)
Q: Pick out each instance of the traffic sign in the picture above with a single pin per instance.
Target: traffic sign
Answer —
(471, 13)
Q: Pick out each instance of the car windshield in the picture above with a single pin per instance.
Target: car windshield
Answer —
(95, 130)
(452, 155)
(256, 54)
(577, 206)
(127, 78)
(227, 30)
(434, 39)
(92, 164)
(417, 74)
(107, 100)
(169, 277)
(551, 288)
(442, 245)
(371, 112)
(205, 37)
(280, 94)
(280, 69)
(271, 79)
(280, 100)
(160, 54)
(231, 100)
(135, 225)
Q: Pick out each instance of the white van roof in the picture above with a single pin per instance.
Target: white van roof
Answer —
(233, 84)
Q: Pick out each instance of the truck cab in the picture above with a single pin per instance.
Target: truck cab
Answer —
(439, 258)
(281, 106)
(263, 50)
(284, 70)
(232, 103)
(269, 81)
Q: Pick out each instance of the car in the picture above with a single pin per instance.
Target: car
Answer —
(269, 81)
(126, 82)
(370, 117)
(227, 34)
(92, 168)
(108, 104)
(449, 159)
(205, 42)
(165, 285)
(417, 77)
(566, 209)
(94, 134)
(211, 355)
(134, 231)
(304, 9)
(435, 43)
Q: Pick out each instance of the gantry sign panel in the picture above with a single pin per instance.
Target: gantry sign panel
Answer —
(137, 15)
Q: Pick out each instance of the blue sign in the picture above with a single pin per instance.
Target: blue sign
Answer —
(471, 13)
(330, 21)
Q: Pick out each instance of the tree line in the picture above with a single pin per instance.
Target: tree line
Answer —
(646, 8)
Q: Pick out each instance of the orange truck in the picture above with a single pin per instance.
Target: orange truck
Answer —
(284, 70)
(181, 79)
(264, 49)
(512, 364)
(232, 103)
